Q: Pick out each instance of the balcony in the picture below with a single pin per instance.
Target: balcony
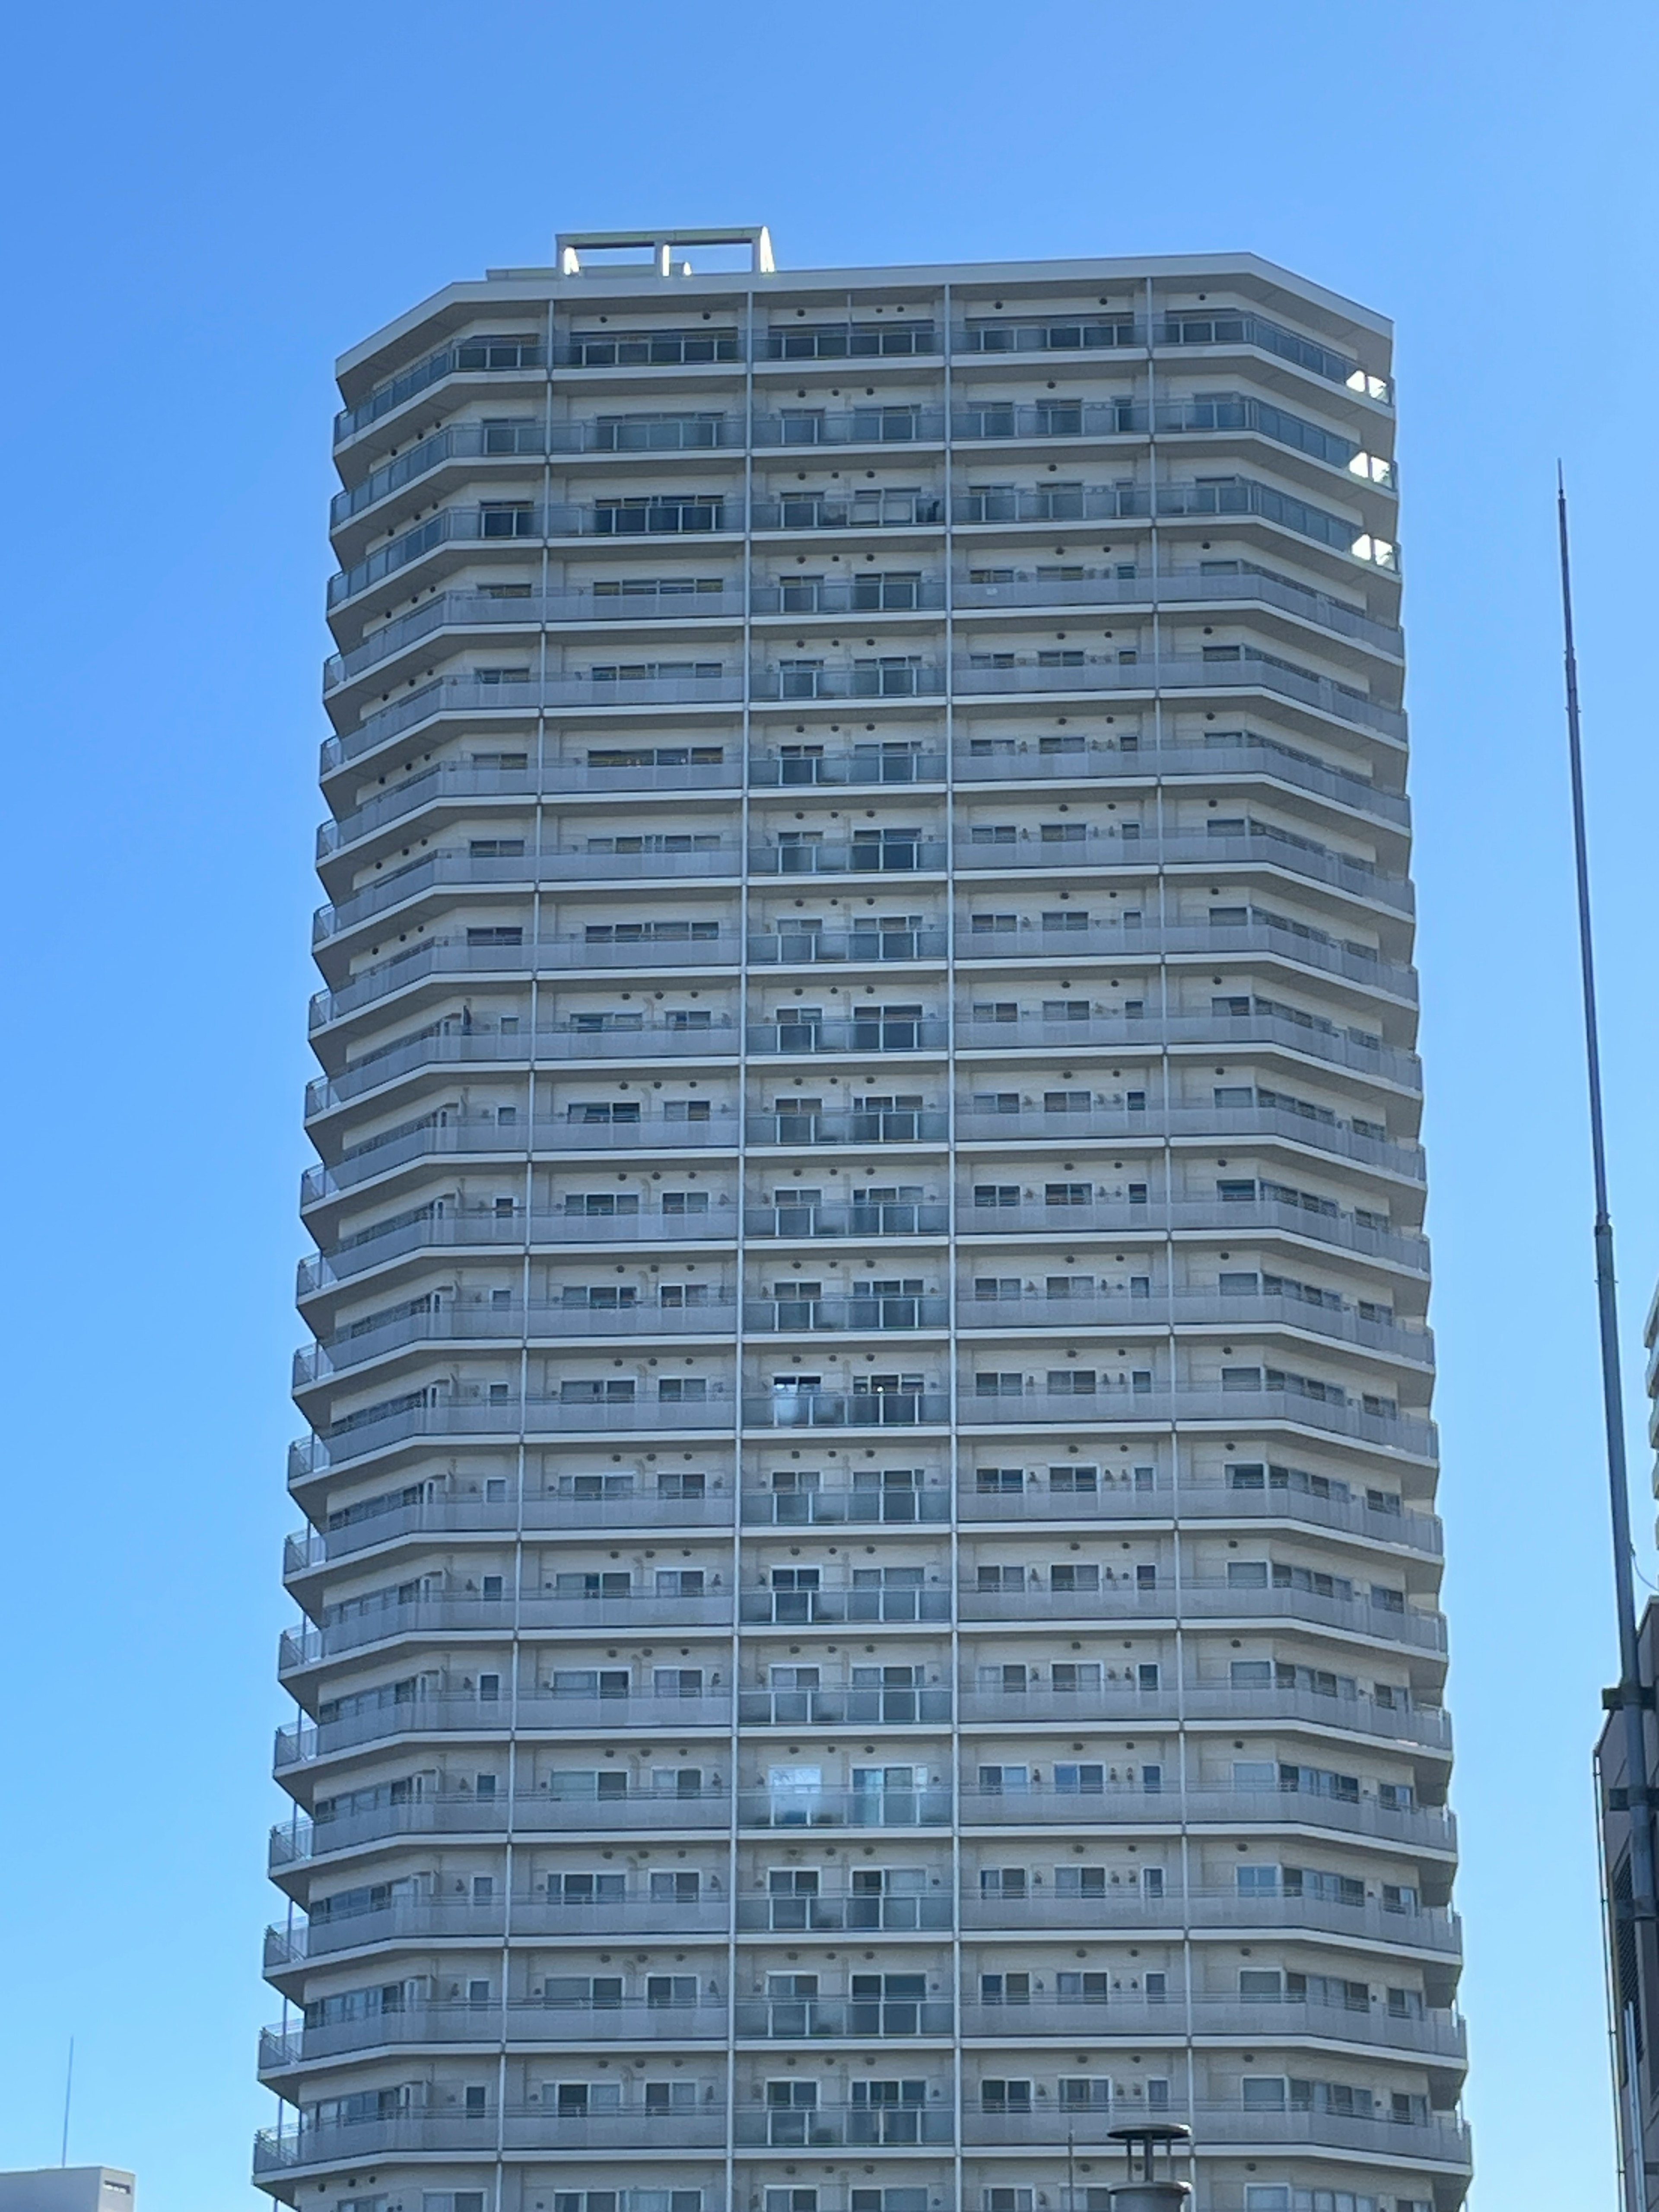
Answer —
(867, 1218)
(860, 765)
(868, 1034)
(876, 509)
(661, 1811)
(1422, 1826)
(432, 1919)
(1243, 496)
(1439, 2140)
(713, 1315)
(849, 2126)
(892, 1125)
(455, 441)
(461, 1135)
(445, 956)
(1126, 1909)
(661, 604)
(786, 2019)
(1250, 848)
(488, 357)
(481, 1417)
(1253, 670)
(1132, 941)
(1427, 1727)
(692, 684)
(891, 678)
(675, 857)
(1318, 1039)
(813, 948)
(438, 1513)
(837, 1912)
(806, 1806)
(840, 1605)
(849, 426)
(1205, 1123)
(530, 1712)
(458, 1041)
(1113, 1401)
(417, 2132)
(808, 1221)
(421, 1921)
(389, 1619)
(874, 1313)
(841, 1505)
(660, 516)
(1194, 1308)
(888, 855)
(453, 866)
(380, 1246)
(854, 1409)
(534, 2025)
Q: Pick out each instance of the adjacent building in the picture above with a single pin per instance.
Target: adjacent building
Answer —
(868, 1587)
(68, 2189)
(1636, 2086)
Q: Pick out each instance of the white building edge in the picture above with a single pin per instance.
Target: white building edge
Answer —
(868, 1585)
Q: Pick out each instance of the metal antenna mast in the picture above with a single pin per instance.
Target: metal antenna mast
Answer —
(1629, 1698)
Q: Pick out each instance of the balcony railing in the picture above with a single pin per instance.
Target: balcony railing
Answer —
(923, 1033)
(813, 948)
(484, 1135)
(1420, 1829)
(862, 765)
(480, 1417)
(459, 1616)
(479, 356)
(1249, 669)
(877, 1312)
(454, 866)
(417, 2132)
(1007, 760)
(861, 856)
(528, 1713)
(659, 601)
(765, 1607)
(294, 1842)
(377, 1247)
(785, 2019)
(852, 1409)
(919, 1807)
(809, 1221)
(714, 1314)
(876, 510)
(850, 2126)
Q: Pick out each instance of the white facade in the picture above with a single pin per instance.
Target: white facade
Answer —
(68, 2189)
(869, 1586)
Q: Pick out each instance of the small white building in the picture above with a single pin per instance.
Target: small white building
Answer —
(68, 2189)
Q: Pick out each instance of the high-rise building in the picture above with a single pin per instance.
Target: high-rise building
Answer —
(1636, 2073)
(868, 1581)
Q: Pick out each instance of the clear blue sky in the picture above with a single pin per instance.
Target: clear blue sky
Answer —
(206, 203)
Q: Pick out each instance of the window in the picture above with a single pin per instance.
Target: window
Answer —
(1074, 1778)
(1080, 1881)
(998, 2095)
(1082, 1988)
(1069, 1194)
(1085, 2092)
(1066, 1575)
(1000, 1481)
(1003, 1881)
